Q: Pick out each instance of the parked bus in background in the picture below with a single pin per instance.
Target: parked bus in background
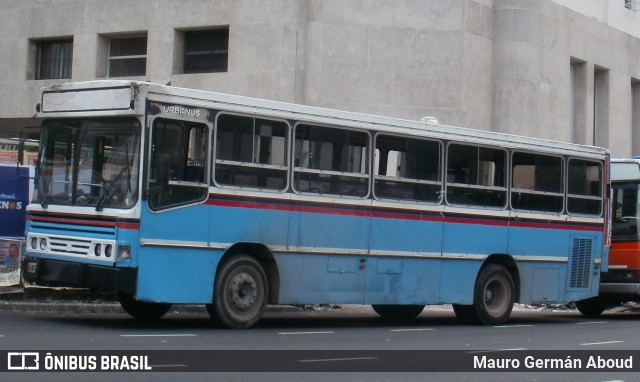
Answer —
(177, 196)
(621, 283)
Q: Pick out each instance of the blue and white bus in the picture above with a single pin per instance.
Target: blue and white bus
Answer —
(177, 196)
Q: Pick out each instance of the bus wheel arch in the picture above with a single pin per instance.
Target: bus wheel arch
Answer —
(510, 265)
(243, 285)
(495, 290)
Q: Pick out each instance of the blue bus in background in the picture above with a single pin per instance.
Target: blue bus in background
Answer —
(177, 196)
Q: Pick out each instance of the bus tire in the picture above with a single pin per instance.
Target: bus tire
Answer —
(591, 307)
(142, 310)
(398, 312)
(494, 295)
(466, 313)
(240, 293)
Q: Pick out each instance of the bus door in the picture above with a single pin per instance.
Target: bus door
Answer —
(173, 263)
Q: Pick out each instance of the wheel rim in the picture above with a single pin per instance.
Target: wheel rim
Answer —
(243, 292)
(496, 296)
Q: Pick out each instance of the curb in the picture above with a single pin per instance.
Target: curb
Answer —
(63, 300)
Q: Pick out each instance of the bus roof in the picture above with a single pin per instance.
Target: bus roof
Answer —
(109, 97)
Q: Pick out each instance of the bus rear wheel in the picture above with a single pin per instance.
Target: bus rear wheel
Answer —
(494, 295)
(398, 312)
(240, 293)
(142, 310)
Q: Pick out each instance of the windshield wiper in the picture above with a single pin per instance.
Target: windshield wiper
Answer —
(109, 190)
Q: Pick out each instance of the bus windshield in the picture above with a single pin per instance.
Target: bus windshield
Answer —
(89, 162)
(626, 212)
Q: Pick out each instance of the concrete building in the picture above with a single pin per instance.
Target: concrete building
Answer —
(559, 69)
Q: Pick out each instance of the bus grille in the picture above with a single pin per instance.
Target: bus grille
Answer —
(66, 246)
(581, 263)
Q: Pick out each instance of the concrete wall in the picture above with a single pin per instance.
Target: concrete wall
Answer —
(502, 65)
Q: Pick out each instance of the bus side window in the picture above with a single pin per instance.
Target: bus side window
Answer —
(536, 182)
(584, 187)
(407, 168)
(329, 160)
(182, 147)
(476, 176)
(251, 152)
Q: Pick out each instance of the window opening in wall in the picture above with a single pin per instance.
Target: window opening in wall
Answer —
(601, 107)
(206, 51)
(127, 56)
(635, 117)
(53, 59)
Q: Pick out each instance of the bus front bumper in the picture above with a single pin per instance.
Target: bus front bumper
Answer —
(620, 288)
(48, 272)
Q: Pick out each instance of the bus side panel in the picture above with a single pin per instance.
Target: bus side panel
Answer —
(458, 279)
(173, 256)
(398, 232)
(176, 275)
(249, 220)
(394, 280)
(464, 236)
(541, 282)
(336, 226)
(320, 279)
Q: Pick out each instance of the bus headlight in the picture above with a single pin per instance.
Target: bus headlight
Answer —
(124, 252)
(97, 250)
(34, 243)
(43, 244)
(108, 250)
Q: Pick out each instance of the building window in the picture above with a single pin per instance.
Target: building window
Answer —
(631, 4)
(53, 60)
(127, 56)
(206, 51)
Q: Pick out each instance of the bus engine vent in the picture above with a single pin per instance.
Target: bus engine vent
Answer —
(581, 263)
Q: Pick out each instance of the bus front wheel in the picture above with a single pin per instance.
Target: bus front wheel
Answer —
(494, 295)
(240, 293)
(142, 310)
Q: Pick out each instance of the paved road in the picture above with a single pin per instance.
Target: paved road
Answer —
(319, 339)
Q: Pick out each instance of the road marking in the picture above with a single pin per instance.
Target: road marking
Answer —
(338, 359)
(602, 343)
(511, 326)
(297, 333)
(158, 335)
(412, 330)
(591, 323)
(176, 365)
(496, 350)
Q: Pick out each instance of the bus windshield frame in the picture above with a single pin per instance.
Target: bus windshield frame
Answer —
(89, 163)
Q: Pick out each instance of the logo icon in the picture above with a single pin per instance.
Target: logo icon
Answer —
(23, 361)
